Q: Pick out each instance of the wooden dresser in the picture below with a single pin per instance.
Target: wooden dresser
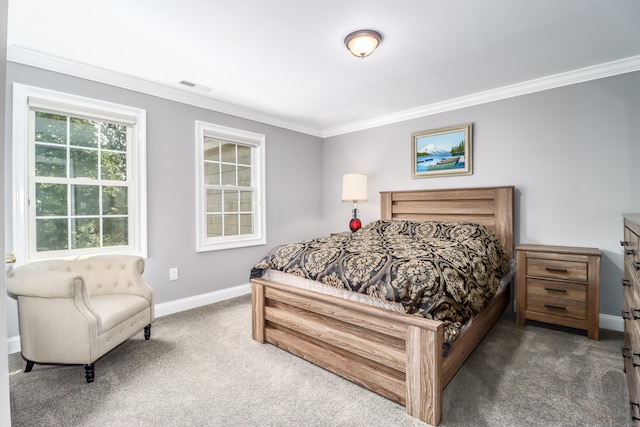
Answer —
(631, 311)
(559, 285)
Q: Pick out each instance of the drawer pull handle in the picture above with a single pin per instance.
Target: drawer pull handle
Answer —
(629, 251)
(636, 265)
(623, 243)
(633, 405)
(633, 312)
(625, 315)
(633, 362)
(626, 282)
(559, 307)
(625, 353)
(555, 289)
(556, 270)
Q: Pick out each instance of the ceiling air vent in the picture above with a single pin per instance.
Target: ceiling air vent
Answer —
(195, 86)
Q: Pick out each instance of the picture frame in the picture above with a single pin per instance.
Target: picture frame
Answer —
(442, 152)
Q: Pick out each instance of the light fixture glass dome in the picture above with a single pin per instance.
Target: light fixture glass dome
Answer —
(363, 42)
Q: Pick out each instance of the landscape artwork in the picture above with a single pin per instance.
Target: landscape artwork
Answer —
(445, 151)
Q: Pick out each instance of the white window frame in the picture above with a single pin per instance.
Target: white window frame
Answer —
(257, 143)
(27, 97)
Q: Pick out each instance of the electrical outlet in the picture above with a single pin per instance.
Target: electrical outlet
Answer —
(173, 273)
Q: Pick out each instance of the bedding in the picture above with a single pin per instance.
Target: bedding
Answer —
(441, 271)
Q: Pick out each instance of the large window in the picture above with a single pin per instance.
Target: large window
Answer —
(230, 182)
(79, 176)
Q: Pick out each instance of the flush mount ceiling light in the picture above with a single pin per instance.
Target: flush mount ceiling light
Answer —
(363, 42)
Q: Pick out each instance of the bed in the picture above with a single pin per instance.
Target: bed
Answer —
(394, 354)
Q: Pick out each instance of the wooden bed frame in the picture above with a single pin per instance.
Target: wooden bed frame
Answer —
(393, 354)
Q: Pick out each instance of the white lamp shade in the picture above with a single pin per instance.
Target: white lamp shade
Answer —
(354, 187)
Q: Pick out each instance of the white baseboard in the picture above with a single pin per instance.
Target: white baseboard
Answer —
(13, 343)
(613, 323)
(184, 304)
(607, 321)
(172, 307)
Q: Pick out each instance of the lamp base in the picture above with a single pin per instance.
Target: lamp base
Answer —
(355, 224)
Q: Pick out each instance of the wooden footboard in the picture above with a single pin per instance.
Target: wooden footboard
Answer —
(393, 354)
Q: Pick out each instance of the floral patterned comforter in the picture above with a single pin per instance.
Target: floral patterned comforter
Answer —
(442, 271)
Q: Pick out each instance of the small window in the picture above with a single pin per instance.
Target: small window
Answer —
(78, 176)
(230, 182)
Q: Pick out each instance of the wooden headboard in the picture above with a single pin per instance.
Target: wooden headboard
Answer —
(489, 206)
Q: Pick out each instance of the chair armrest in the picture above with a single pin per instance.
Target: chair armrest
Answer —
(31, 282)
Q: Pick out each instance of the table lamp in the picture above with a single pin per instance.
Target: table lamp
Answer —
(354, 189)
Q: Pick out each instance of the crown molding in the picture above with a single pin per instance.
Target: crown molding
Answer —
(60, 65)
(613, 68)
(48, 62)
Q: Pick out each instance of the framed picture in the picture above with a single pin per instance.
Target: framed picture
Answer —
(444, 151)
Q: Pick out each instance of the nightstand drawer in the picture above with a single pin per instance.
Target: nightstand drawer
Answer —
(557, 306)
(555, 289)
(557, 269)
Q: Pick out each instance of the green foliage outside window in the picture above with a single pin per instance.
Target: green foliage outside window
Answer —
(77, 165)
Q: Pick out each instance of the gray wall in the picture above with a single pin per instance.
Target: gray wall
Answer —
(572, 154)
(293, 186)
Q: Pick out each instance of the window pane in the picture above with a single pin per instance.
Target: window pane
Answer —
(51, 235)
(85, 200)
(51, 128)
(83, 133)
(212, 173)
(246, 224)
(228, 174)
(211, 149)
(84, 163)
(244, 155)
(246, 201)
(228, 151)
(114, 137)
(231, 201)
(231, 225)
(214, 201)
(114, 166)
(115, 231)
(244, 176)
(115, 201)
(51, 199)
(85, 233)
(214, 225)
(51, 161)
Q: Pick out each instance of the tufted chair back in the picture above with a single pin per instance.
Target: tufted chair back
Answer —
(106, 274)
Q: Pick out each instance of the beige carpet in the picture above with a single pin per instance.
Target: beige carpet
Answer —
(201, 368)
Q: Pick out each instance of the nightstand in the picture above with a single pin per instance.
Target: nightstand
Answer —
(559, 285)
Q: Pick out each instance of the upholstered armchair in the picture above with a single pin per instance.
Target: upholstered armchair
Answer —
(75, 311)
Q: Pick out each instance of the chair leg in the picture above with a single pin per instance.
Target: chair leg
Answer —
(89, 372)
(147, 331)
(29, 367)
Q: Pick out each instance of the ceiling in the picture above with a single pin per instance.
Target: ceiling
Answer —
(284, 61)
